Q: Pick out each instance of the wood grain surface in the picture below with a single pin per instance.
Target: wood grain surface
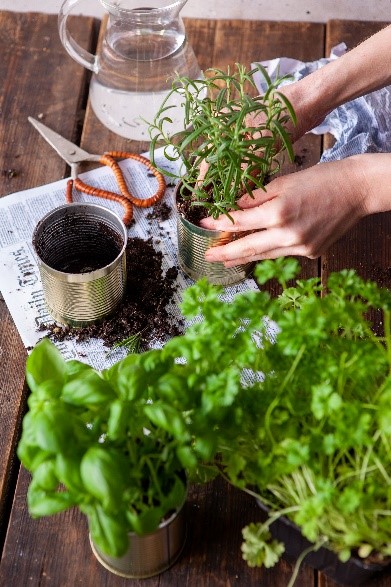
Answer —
(40, 79)
(367, 246)
(37, 79)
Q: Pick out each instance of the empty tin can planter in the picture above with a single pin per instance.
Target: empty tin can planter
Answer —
(193, 241)
(149, 554)
(81, 250)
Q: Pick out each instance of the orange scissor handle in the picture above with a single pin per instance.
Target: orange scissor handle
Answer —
(126, 198)
(99, 193)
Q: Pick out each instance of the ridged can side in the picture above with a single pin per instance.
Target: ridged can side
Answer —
(150, 554)
(81, 298)
(193, 241)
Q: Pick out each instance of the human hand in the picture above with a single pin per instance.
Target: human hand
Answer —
(302, 213)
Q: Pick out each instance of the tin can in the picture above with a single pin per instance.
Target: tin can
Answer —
(149, 554)
(81, 251)
(193, 241)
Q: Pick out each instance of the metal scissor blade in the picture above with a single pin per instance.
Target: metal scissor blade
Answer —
(70, 152)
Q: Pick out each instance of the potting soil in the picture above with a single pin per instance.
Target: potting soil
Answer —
(145, 308)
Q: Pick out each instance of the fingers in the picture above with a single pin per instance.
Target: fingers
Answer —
(222, 223)
(254, 218)
(238, 220)
(247, 221)
(274, 254)
(264, 244)
(259, 197)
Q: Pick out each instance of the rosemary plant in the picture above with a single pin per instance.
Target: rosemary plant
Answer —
(216, 135)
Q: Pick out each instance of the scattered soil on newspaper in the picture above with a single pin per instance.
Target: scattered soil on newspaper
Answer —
(145, 308)
(161, 211)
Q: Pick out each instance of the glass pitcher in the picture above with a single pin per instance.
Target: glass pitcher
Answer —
(142, 51)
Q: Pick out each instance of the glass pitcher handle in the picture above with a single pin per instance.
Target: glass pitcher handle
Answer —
(79, 54)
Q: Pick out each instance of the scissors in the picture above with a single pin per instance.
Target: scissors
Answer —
(74, 156)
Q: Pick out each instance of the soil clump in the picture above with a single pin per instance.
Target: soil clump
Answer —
(193, 214)
(145, 308)
(160, 211)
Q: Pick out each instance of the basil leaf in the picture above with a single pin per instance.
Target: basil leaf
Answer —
(103, 471)
(47, 390)
(127, 377)
(45, 476)
(88, 389)
(43, 503)
(146, 521)
(119, 418)
(108, 532)
(168, 418)
(74, 368)
(30, 455)
(52, 428)
(187, 457)
(45, 363)
(68, 472)
(176, 496)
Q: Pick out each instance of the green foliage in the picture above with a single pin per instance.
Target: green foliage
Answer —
(299, 417)
(323, 447)
(130, 344)
(216, 131)
(259, 549)
(88, 441)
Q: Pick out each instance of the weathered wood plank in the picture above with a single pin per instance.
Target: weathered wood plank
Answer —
(37, 76)
(358, 249)
(56, 550)
(39, 79)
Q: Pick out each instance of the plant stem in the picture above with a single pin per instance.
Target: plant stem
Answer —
(154, 477)
(276, 400)
(312, 548)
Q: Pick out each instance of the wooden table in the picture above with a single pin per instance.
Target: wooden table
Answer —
(39, 79)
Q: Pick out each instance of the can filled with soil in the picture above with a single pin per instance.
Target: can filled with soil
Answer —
(194, 241)
(82, 262)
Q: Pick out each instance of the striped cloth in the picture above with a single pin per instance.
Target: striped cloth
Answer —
(362, 125)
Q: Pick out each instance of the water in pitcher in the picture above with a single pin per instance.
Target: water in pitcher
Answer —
(136, 74)
(128, 113)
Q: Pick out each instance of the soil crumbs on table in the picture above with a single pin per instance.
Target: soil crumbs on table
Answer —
(161, 211)
(144, 310)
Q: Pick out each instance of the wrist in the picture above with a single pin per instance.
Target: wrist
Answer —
(316, 95)
(304, 97)
(375, 181)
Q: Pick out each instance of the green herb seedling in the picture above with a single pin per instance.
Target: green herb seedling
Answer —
(238, 156)
(130, 344)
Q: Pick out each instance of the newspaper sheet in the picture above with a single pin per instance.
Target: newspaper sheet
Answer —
(20, 281)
